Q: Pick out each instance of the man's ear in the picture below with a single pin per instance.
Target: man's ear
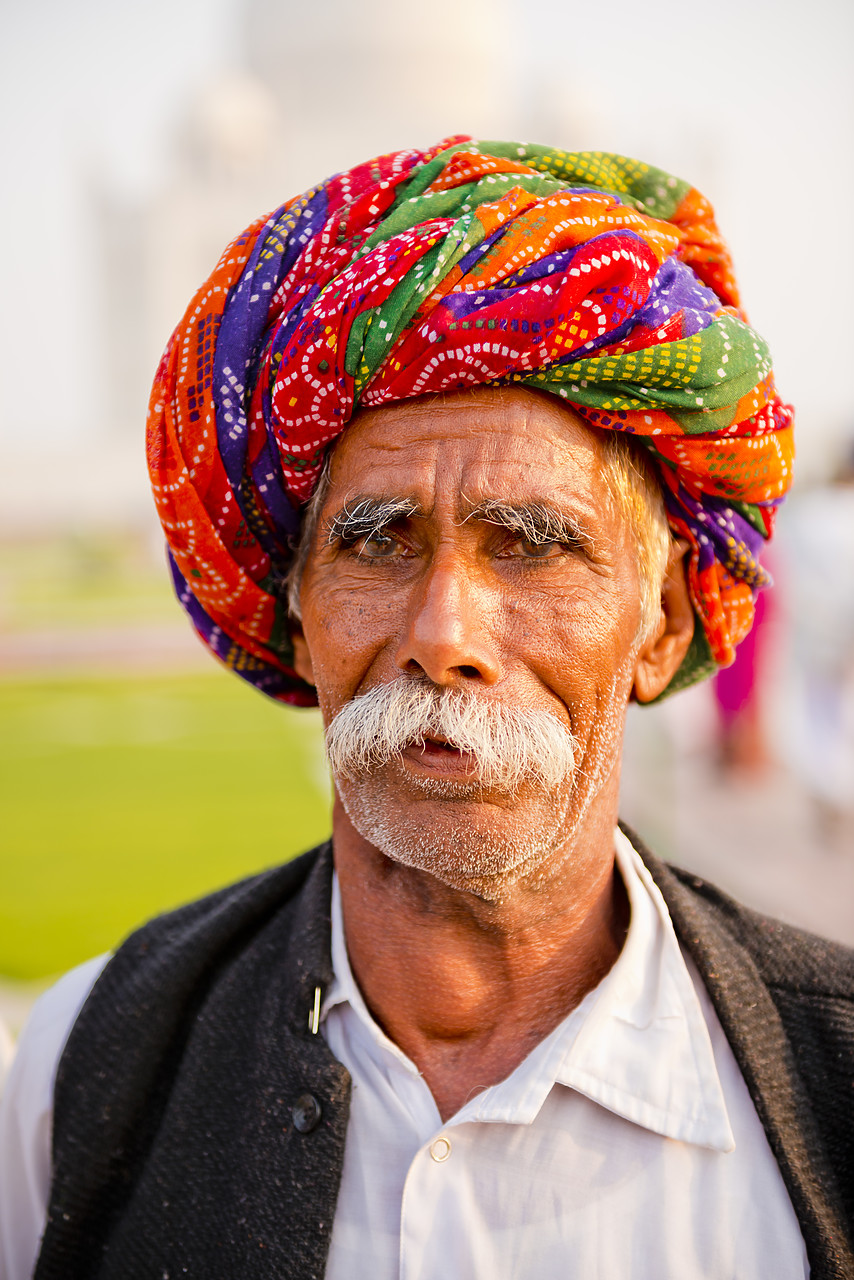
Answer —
(661, 654)
(302, 658)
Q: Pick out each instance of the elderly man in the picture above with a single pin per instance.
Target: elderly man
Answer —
(489, 418)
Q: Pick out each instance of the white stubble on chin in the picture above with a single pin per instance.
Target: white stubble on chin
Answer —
(473, 838)
(453, 831)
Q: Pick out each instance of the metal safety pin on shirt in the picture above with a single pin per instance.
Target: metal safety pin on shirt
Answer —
(314, 1013)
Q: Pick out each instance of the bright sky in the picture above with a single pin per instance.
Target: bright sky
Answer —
(752, 101)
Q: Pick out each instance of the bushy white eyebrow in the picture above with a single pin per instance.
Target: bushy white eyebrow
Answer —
(366, 517)
(536, 522)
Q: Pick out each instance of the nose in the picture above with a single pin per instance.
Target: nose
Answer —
(447, 637)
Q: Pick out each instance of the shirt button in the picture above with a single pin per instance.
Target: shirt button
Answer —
(440, 1150)
(306, 1113)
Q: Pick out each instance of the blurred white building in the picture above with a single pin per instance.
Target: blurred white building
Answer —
(313, 90)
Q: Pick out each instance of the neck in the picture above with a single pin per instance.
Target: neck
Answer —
(467, 986)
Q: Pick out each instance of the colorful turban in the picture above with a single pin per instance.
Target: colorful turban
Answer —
(597, 278)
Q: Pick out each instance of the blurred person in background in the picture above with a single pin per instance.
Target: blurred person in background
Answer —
(819, 546)
(470, 446)
(739, 693)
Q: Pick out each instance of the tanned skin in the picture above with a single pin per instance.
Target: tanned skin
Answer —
(467, 970)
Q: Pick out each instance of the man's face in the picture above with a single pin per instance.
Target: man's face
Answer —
(416, 571)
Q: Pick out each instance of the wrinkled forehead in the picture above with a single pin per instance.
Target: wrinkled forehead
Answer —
(489, 442)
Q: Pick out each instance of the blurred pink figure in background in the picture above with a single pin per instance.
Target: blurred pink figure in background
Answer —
(739, 697)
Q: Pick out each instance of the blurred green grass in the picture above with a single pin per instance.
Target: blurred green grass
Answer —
(84, 579)
(122, 798)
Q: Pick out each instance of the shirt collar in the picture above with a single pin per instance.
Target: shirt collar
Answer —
(643, 1049)
(344, 990)
(637, 1044)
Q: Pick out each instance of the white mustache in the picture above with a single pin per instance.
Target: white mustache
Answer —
(509, 746)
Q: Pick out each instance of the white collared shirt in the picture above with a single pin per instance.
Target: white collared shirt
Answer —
(624, 1147)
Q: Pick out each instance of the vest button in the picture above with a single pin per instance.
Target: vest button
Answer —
(306, 1113)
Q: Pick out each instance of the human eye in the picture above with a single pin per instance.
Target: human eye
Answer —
(377, 545)
(536, 549)
(373, 545)
(534, 533)
(371, 531)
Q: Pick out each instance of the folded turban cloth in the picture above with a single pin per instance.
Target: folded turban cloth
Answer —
(591, 276)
